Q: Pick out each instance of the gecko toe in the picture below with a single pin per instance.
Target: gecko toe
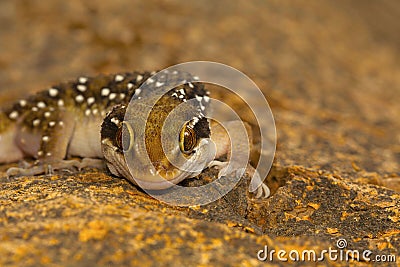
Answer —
(51, 167)
(16, 172)
(262, 191)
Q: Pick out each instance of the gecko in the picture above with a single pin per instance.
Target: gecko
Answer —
(85, 118)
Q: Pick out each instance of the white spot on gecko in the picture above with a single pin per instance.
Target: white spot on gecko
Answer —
(137, 92)
(47, 114)
(53, 92)
(45, 138)
(119, 78)
(87, 112)
(13, 115)
(115, 121)
(91, 100)
(79, 98)
(82, 79)
(112, 96)
(36, 122)
(52, 123)
(41, 104)
(60, 103)
(22, 103)
(139, 78)
(104, 141)
(82, 88)
(105, 91)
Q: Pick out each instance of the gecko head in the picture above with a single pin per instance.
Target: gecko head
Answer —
(152, 153)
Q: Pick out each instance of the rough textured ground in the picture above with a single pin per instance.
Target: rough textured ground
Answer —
(330, 72)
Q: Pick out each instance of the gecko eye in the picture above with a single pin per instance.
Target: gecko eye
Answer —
(125, 137)
(187, 139)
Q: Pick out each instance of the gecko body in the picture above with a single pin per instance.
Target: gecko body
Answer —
(65, 119)
(87, 118)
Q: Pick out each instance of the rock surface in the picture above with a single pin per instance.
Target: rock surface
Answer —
(331, 75)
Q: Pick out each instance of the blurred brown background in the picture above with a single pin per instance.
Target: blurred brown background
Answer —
(330, 69)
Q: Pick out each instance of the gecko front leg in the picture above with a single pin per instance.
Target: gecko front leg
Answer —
(238, 164)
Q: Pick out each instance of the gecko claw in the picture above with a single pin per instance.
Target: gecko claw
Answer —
(263, 189)
(257, 185)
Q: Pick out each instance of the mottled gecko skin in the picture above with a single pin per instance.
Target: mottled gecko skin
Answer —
(84, 118)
